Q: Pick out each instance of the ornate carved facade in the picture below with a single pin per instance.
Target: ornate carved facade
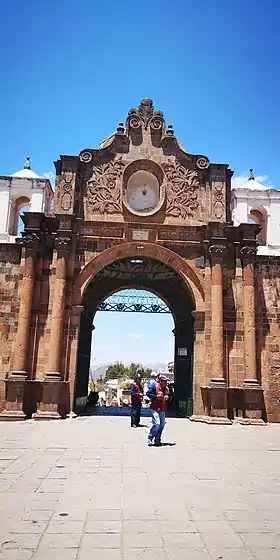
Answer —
(140, 196)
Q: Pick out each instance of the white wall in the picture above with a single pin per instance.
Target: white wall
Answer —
(11, 189)
(37, 201)
(4, 210)
(268, 201)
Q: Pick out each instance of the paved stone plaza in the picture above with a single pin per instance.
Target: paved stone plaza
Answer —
(91, 488)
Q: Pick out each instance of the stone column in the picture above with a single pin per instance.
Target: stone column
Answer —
(217, 253)
(252, 391)
(58, 307)
(48, 407)
(218, 385)
(15, 382)
(248, 255)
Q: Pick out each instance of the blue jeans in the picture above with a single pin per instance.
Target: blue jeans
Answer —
(135, 414)
(158, 423)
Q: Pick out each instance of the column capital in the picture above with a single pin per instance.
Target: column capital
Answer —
(217, 250)
(248, 252)
(28, 240)
(62, 242)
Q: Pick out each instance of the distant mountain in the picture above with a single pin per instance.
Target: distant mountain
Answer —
(100, 370)
(157, 366)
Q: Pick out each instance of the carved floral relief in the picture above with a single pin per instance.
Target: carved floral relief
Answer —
(182, 191)
(103, 192)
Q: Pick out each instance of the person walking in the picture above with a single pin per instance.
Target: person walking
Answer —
(159, 396)
(136, 392)
(152, 381)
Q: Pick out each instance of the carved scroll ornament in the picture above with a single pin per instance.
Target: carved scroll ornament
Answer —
(86, 156)
(182, 191)
(202, 162)
(103, 193)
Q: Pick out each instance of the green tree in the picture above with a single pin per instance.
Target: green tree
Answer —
(138, 368)
(96, 386)
(116, 371)
(125, 385)
(120, 371)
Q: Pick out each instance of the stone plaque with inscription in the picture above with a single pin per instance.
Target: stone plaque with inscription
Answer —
(140, 235)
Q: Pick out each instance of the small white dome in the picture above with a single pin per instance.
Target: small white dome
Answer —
(26, 172)
(251, 184)
(254, 185)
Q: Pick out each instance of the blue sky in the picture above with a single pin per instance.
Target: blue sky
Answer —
(71, 71)
(132, 337)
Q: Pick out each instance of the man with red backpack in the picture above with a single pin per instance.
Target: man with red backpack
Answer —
(159, 396)
(136, 392)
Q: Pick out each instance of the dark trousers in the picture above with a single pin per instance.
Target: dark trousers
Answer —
(135, 414)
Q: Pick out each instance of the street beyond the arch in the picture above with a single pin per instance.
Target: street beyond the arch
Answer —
(90, 487)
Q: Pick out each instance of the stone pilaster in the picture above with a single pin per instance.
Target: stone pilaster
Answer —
(218, 392)
(58, 305)
(48, 407)
(217, 253)
(15, 382)
(248, 254)
(253, 393)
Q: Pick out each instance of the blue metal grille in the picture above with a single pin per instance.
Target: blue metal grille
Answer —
(134, 301)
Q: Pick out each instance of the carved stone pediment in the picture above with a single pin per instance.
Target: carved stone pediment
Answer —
(187, 190)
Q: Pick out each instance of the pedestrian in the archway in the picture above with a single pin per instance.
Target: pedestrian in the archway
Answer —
(159, 396)
(152, 381)
(136, 392)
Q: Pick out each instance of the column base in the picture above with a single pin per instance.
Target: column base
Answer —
(15, 385)
(12, 415)
(250, 421)
(46, 415)
(215, 397)
(253, 402)
(48, 407)
(52, 376)
(71, 415)
(217, 382)
(221, 420)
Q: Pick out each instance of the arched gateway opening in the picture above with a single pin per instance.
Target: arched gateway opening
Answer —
(150, 274)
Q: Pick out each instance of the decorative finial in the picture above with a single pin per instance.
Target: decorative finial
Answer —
(170, 131)
(120, 129)
(251, 175)
(146, 110)
(27, 163)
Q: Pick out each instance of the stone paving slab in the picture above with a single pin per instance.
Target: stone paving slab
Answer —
(91, 486)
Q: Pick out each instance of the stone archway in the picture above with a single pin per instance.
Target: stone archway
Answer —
(177, 293)
(185, 269)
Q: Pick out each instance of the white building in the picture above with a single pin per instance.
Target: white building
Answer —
(21, 190)
(254, 202)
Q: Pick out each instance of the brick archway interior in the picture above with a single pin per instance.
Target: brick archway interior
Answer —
(158, 278)
(184, 269)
